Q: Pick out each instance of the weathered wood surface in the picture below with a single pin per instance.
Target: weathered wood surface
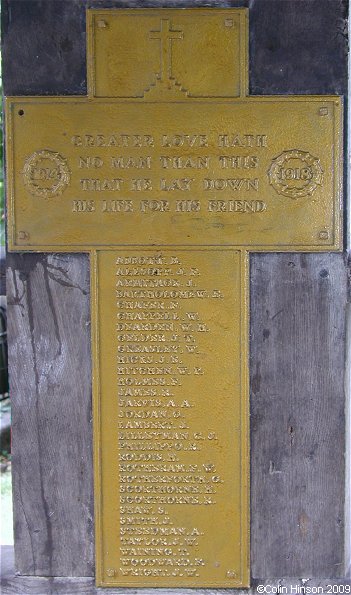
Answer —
(297, 414)
(297, 325)
(49, 355)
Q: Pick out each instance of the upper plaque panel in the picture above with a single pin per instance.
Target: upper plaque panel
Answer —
(262, 173)
(192, 53)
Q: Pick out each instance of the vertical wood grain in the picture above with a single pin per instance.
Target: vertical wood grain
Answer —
(49, 354)
(297, 414)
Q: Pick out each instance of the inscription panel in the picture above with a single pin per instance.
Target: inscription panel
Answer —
(173, 463)
(257, 173)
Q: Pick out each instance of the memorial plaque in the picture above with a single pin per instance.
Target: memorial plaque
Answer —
(90, 174)
(168, 174)
(173, 440)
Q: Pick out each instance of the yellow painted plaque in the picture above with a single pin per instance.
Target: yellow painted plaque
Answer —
(173, 438)
(159, 54)
(168, 174)
(260, 173)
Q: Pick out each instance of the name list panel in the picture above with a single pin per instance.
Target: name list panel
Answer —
(172, 461)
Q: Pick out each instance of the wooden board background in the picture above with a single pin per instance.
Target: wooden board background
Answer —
(297, 326)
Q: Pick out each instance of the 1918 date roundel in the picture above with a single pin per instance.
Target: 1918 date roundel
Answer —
(295, 174)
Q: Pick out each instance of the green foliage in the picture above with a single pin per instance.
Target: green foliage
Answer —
(5, 487)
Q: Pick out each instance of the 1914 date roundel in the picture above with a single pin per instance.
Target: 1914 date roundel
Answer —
(46, 174)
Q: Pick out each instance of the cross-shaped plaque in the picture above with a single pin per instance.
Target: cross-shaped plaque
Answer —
(169, 174)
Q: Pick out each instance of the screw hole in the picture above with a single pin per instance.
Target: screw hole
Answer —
(21, 112)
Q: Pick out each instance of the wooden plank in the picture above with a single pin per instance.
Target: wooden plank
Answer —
(298, 46)
(297, 326)
(49, 353)
(297, 414)
(348, 441)
(49, 327)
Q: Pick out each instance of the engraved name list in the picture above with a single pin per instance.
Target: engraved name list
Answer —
(160, 374)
